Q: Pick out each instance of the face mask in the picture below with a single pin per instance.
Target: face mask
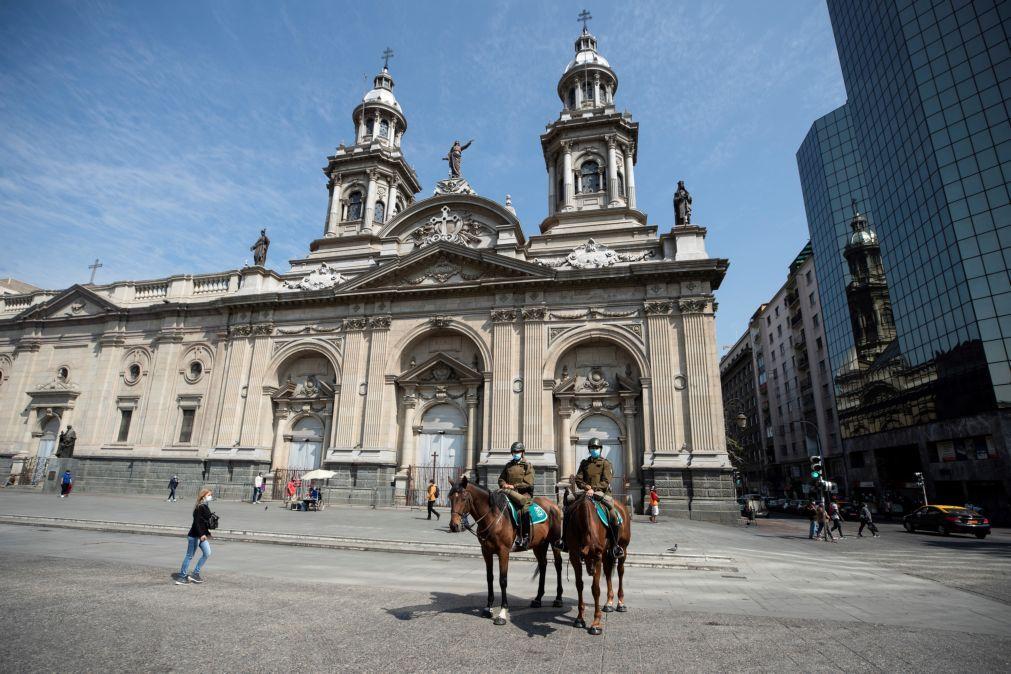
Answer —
(517, 457)
(595, 453)
(209, 498)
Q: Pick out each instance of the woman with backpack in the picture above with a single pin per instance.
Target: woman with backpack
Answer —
(199, 536)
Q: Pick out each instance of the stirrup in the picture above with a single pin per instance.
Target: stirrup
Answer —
(617, 552)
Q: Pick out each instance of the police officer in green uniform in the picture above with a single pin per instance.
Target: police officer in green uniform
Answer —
(517, 482)
(594, 476)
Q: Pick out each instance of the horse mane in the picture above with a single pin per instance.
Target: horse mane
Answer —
(492, 501)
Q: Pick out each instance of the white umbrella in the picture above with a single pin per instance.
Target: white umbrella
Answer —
(318, 474)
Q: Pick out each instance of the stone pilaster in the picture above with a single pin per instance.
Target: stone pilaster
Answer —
(702, 435)
(375, 425)
(552, 187)
(612, 171)
(334, 206)
(668, 432)
(256, 413)
(567, 176)
(347, 430)
(229, 399)
(533, 364)
(370, 200)
(159, 411)
(502, 357)
(629, 177)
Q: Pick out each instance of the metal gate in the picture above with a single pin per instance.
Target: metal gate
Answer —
(417, 483)
(280, 482)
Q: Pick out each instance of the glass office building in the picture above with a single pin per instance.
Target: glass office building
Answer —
(923, 144)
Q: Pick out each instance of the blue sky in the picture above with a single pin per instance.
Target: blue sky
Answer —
(160, 137)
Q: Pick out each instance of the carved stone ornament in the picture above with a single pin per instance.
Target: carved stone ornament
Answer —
(56, 384)
(534, 313)
(320, 278)
(77, 307)
(443, 271)
(503, 315)
(251, 330)
(692, 305)
(593, 313)
(653, 308)
(448, 226)
(355, 323)
(593, 255)
(453, 186)
(440, 321)
(596, 382)
(380, 322)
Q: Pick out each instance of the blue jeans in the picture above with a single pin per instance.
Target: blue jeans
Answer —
(256, 494)
(191, 549)
(814, 527)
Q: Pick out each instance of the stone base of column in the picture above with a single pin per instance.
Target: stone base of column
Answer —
(704, 494)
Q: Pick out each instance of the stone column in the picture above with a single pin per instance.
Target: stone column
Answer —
(257, 403)
(392, 199)
(566, 461)
(612, 171)
(393, 130)
(699, 377)
(502, 356)
(596, 90)
(374, 424)
(629, 177)
(666, 408)
(552, 195)
(334, 207)
(370, 201)
(158, 427)
(472, 448)
(632, 462)
(347, 430)
(533, 363)
(405, 457)
(567, 176)
(361, 128)
(279, 453)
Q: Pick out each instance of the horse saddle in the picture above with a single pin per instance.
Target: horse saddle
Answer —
(537, 514)
(602, 514)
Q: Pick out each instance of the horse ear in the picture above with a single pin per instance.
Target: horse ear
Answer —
(463, 482)
(452, 483)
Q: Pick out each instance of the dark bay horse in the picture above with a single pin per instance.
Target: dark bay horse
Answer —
(495, 530)
(587, 542)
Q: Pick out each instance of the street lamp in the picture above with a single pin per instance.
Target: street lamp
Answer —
(742, 421)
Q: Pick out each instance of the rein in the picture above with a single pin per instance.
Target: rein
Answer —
(473, 528)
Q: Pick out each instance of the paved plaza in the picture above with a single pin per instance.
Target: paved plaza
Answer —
(88, 598)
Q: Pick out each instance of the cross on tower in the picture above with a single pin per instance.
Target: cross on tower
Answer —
(584, 16)
(387, 55)
(94, 267)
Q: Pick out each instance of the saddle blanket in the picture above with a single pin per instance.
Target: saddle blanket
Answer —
(602, 513)
(537, 514)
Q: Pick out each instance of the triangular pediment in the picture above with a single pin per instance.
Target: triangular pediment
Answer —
(444, 265)
(77, 301)
(440, 369)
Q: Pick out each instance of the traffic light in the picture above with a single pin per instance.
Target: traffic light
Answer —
(919, 479)
(816, 468)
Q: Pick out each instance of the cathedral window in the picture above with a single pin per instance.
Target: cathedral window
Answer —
(370, 126)
(621, 184)
(384, 129)
(590, 177)
(380, 212)
(186, 427)
(587, 94)
(572, 97)
(355, 206)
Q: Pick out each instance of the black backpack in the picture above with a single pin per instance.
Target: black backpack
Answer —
(212, 521)
(437, 492)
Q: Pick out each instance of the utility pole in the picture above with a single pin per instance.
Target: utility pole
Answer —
(923, 485)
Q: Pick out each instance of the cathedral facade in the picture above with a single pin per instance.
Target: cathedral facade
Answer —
(418, 336)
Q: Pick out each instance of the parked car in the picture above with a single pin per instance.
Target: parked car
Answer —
(947, 520)
(849, 510)
(775, 504)
(796, 506)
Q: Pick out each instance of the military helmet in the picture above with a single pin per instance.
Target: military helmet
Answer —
(518, 447)
(595, 443)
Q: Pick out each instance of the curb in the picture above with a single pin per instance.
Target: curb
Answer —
(640, 560)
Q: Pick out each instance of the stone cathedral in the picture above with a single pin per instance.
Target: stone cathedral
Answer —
(420, 335)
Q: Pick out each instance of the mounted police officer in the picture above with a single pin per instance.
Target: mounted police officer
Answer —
(594, 476)
(517, 483)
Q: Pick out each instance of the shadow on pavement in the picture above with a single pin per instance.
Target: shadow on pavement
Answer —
(536, 622)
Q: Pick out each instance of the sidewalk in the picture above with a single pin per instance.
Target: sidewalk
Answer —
(383, 526)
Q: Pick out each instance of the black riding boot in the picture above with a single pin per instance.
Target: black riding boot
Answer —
(523, 539)
(616, 550)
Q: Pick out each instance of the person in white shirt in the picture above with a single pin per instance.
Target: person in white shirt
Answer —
(258, 487)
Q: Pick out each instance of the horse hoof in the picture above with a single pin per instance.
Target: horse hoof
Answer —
(607, 609)
(557, 603)
(621, 608)
(486, 613)
(499, 621)
(579, 622)
(595, 631)
(536, 603)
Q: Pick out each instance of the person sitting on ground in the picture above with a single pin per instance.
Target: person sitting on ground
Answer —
(594, 477)
(517, 483)
(289, 491)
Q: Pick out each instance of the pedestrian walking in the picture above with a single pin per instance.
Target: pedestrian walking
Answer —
(654, 503)
(836, 517)
(198, 537)
(66, 484)
(433, 493)
(823, 519)
(257, 487)
(811, 512)
(173, 484)
(866, 521)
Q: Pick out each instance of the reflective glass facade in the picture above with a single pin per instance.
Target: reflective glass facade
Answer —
(831, 178)
(929, 85)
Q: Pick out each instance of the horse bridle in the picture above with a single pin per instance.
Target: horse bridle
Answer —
(472, 528)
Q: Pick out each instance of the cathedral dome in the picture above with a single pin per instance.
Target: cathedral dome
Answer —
(587, 57)
(382, 91)
(862, 234)
(588, 80)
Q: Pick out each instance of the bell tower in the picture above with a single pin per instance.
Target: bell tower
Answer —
(370, 181)
(867, 292)
(590, 150)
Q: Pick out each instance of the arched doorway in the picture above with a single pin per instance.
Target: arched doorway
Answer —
(442, 437)
(305, 444)
(609, 433)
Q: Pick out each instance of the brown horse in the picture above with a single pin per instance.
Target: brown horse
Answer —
(495, 530)
(587, 542)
